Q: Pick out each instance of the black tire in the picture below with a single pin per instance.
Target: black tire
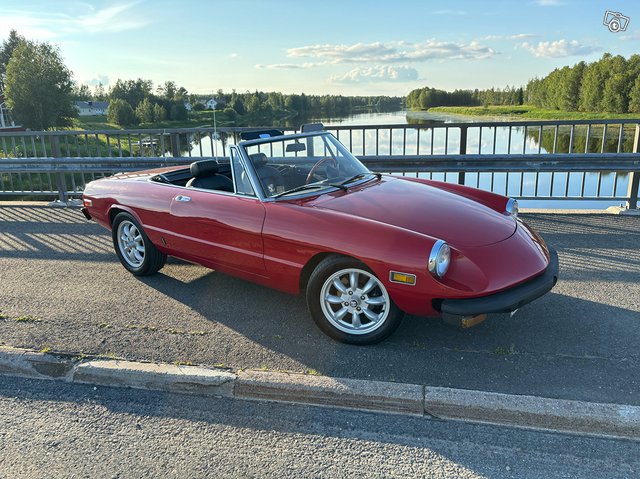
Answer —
(355, 325)
(141, 263)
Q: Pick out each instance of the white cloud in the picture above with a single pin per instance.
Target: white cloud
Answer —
(520, 36)
(516, 36)
(288, 66)
(630, 36)
(88, 19)
(341, 53)
(559, 48)
(100, 79)
(393, 52)
(385, 73)
(110, 19)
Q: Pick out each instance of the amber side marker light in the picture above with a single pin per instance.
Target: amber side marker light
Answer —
(87, 202)
(402, 278)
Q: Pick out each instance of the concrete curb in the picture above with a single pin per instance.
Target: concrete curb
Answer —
(326, 391)
(31, 364)
(157, 377)
(612, 420)
(530, 411)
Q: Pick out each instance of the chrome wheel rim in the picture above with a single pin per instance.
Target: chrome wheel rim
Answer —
(355, 301)
(131, 243)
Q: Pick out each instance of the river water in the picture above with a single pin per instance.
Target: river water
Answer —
(567, 186)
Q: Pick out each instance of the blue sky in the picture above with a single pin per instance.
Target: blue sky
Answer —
(349, 47)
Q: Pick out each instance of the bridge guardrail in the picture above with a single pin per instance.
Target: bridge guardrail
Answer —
(579, 159)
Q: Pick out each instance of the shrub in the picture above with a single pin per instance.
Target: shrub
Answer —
(121, 113)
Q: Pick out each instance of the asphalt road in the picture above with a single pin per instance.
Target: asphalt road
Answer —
(62, 288)
(53, 429)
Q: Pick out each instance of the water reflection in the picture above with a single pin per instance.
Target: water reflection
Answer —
(611, 187)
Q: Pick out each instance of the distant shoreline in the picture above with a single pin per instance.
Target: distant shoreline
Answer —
(514, 112)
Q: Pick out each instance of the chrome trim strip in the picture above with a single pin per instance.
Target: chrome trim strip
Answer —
(248, 167)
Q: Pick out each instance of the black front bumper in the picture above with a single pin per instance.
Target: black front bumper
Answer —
(508, 300)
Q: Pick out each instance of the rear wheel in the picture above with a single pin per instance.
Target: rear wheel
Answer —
(349, 303)
(134, 249)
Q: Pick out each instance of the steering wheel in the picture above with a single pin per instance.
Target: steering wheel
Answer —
(318, 164)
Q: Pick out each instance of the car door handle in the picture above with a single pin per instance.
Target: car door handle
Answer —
(183, 198)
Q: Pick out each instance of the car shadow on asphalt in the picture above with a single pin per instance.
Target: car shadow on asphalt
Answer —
(38, 232)
(558, 346)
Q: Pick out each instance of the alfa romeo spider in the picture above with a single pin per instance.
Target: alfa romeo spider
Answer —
(301, 214)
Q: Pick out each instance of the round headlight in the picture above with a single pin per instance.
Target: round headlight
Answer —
(439, 259)
(511, 208)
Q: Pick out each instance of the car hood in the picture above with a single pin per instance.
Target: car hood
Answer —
(424, 209)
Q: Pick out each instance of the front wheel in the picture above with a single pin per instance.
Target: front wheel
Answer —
(349, 303)
(135, 250)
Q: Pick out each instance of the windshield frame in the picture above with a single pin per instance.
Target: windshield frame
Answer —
(316, 188)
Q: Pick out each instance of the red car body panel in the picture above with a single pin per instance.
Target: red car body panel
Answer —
(390, 224)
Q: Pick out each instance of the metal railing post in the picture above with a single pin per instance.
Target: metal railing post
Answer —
(61, 182)
(634, 177)
(463, 151)
(175, 145)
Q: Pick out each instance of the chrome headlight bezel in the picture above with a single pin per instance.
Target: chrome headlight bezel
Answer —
(439, 259)
(511, 209)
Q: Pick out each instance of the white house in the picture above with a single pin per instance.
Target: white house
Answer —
(187, 106)
(211, 104)
(5, 116)
(6, 122)
(86, 108)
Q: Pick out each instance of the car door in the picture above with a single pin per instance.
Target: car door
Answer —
(222, 230)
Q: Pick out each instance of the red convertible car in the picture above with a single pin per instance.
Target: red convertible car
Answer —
(299, 213)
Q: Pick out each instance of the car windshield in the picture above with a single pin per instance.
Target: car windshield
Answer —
(287, 166)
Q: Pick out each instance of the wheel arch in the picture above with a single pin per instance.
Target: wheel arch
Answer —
(116, 209)
(314, 261)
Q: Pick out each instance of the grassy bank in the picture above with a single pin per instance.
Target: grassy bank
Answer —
(530, 112)
(196, 119)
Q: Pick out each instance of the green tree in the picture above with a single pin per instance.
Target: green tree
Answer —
(6, 51)
(121, 113)
(592, 84)
(81, 93)
(38, 86)
(615, 94)
(159, 113)
(571, 87)
(144, 111)
(98, 92)
(178, 112)
(181, 95)
(252, 104)
(634, 97)
(168, 90)
(614, 97)
(131, 91)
